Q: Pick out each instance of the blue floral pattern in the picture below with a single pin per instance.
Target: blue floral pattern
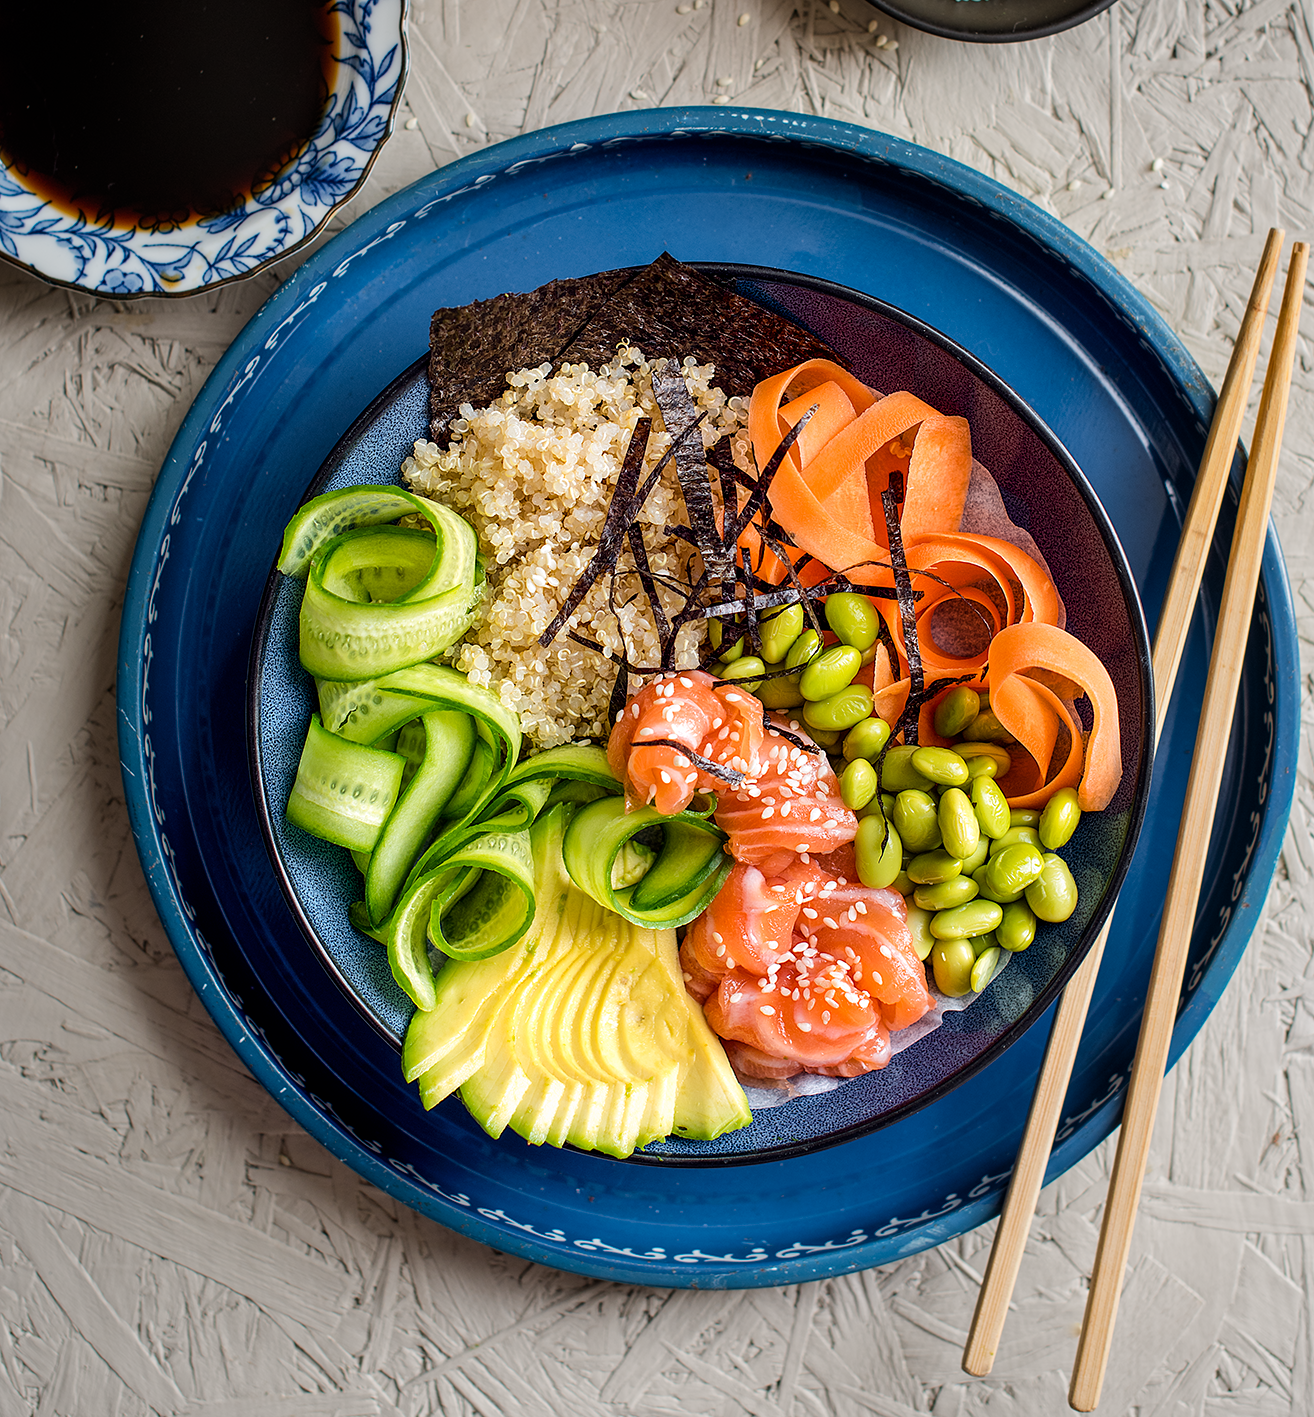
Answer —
(172, 258)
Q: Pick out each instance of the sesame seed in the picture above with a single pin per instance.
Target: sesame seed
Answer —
(766, 1009)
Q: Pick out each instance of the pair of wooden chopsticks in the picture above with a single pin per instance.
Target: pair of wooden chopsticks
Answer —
(1221, 688)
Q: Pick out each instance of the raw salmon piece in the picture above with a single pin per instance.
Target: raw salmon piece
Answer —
(718, 722)
(815, 1016)
(792, 805)
(750, 923)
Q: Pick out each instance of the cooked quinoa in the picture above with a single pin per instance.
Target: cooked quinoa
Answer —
(534, 473)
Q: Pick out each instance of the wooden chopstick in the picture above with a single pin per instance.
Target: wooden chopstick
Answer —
(1174, 623)
(1234, 616)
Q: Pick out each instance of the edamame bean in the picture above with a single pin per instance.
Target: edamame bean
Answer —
(887, 802)
(716, 632)
(866, 739)
(959, 828)
(941, 765)
(989, 892)
(902, 884)
(919, 923)
(803, 649)
(858, 785)
(976, 754)
(1014, 869)
(781, 692)
(951, 963)
(748, 669)
(1024, 817)
(832, 670)
(963, 921)
(986, 728)
(1015, 836)
(981, 943)
(779, 631)
(929, 867)
(914, 816)
(944, 895)
(987, 965)
(990, 805)
(1018, 927)
(1059, 819)
(839, 712)
(878, 851)
(977, 858)
(1053, 894)
(827, 738)
(898, 773)
(956, 710)
(853, 618)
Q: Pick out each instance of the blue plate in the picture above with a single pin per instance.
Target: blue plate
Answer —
(1011, 285)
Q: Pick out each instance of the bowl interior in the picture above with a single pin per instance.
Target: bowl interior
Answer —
(1044, 493)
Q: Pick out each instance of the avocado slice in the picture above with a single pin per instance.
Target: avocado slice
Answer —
(582, 1032)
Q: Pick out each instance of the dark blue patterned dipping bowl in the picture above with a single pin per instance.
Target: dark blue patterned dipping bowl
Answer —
(66, 236)
(1044, 492)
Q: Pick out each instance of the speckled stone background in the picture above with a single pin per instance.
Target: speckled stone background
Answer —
(171, 1243)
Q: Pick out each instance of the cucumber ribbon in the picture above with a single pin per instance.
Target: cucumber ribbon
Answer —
(379, 598)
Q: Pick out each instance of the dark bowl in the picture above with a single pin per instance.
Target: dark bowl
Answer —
(1044, 492)
(993, 21)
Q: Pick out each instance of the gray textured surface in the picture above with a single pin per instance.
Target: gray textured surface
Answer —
(170, 1242)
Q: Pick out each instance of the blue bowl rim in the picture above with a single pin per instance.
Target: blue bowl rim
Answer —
(727, 272)
(835, 137)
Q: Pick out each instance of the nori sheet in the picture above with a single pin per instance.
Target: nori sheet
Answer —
(473, 347)
(668, 310)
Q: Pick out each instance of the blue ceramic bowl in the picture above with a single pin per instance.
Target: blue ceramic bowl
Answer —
(1043, 491)
(75, 247)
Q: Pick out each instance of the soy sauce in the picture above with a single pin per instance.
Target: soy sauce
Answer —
(156, 112)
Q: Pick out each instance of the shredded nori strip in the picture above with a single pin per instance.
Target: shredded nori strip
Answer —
(614, 529)
(620, 693)
(890, 500)
(643, 570)
(758, 498)
(679, 413)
